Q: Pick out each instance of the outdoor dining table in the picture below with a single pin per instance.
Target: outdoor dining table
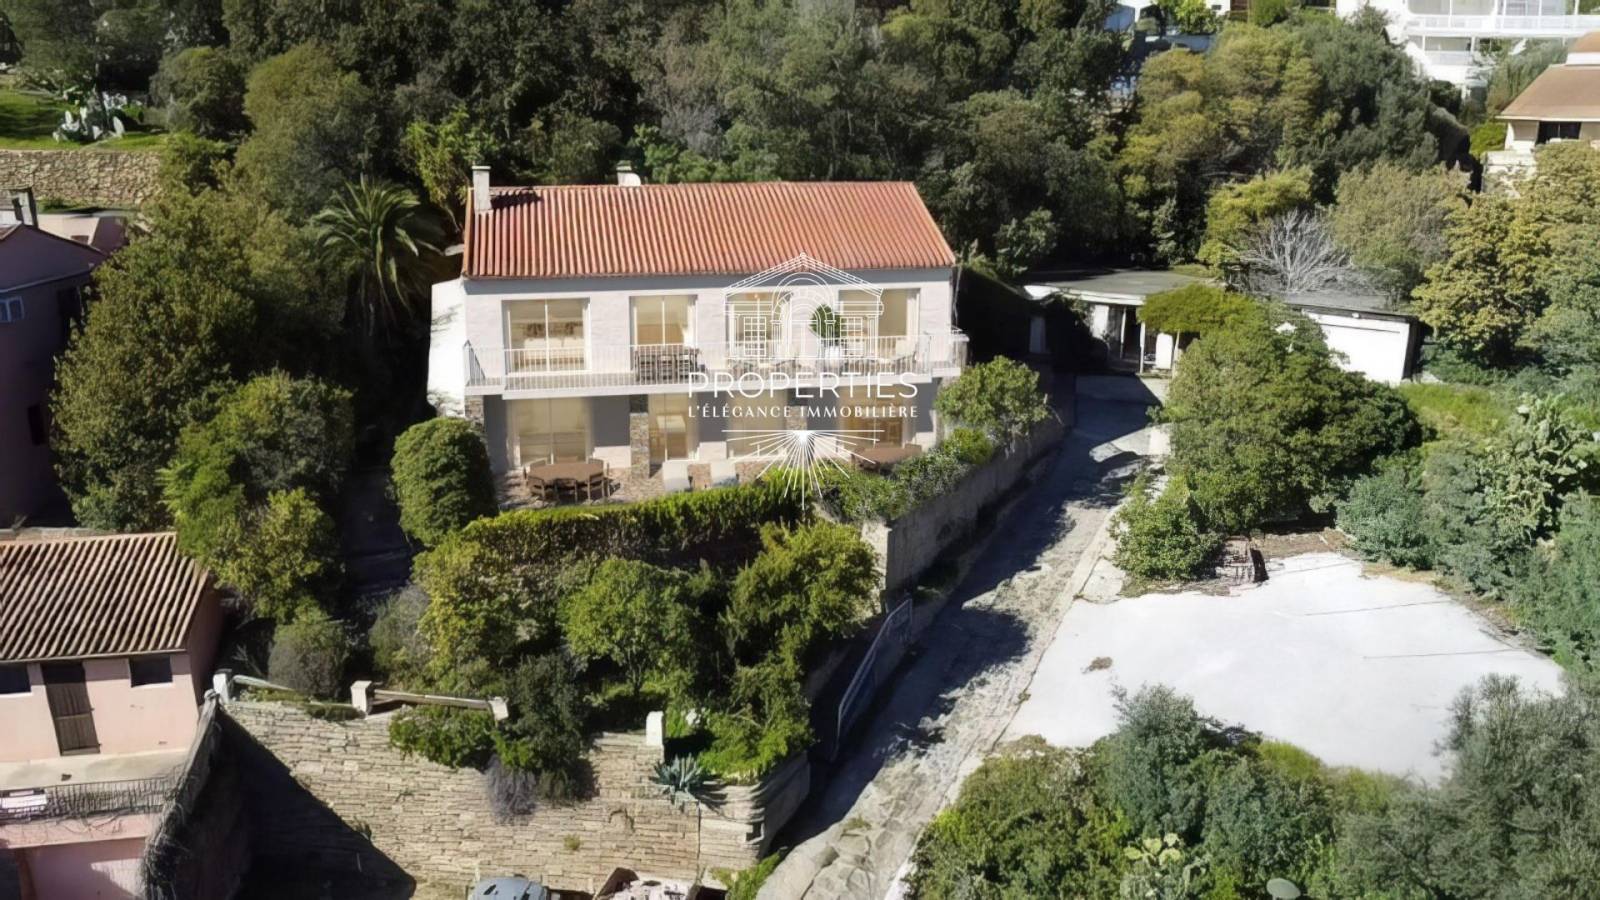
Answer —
(579, 474)
(887, 455)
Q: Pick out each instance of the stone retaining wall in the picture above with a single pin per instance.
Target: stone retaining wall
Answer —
(435, 824)
(106, 178)
(908, 546)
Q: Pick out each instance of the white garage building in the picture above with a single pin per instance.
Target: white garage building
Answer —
(1375, 340)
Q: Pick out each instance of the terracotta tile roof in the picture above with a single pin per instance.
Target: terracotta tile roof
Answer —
(700, 229)
(98, 596)
(1564, 93)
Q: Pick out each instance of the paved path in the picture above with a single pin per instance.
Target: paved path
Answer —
(957, 694)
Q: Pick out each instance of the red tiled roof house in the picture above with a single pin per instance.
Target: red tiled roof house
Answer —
(106, 648)
(612, 322)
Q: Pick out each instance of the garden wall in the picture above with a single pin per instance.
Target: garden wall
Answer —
(105, 178)
(908, 546)
(435, 824)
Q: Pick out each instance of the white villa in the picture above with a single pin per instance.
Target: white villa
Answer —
(1447, 38)
(1562, 104)
(637, 325)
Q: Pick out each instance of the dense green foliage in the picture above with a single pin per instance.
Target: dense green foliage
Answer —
(857, 496)
(309, 655)
(243, 487)
(1162, 537)
(1194, 309)
(202, 90)
(1265, 424)
(181, 313)
(441, 478)
(449, 736)
(1510, 820)
(1236, 210)
(1391, 219)
(638, 617)
(1000, 397)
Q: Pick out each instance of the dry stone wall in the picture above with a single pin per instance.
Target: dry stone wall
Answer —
(117, 179)
(435, 823)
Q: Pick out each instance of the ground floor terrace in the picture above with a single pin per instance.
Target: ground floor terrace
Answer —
(634, 446)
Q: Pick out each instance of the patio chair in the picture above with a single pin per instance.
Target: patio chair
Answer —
(566, 488)
(597, 484)
(675, 475)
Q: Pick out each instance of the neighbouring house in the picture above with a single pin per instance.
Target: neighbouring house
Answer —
(106, 232)
(1562, 104)
(1376, 340)
(43, 282)
(640, 324)
(106, 648)
(1455, 40)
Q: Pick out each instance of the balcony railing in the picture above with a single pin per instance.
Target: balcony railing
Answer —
(76, 801)
(697, 365)
(1489, 25)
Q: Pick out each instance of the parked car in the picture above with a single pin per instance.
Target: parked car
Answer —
(512, 887)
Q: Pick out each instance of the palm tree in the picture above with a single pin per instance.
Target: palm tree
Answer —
(381, 236)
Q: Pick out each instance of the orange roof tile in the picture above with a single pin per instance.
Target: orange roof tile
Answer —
(80, 598)
(700, 229)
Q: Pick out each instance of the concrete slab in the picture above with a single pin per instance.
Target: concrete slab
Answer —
(1358, 669)
(89, 768)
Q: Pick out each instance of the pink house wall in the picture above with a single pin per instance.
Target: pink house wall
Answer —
(102, 870)
(129, 719)
(29, 733)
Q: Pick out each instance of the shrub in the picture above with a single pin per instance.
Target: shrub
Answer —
(1000, 398)
(399, 650)
(639, 617)
(1391, 219)
(281, 556)
(309, 655)
(1262, 822)
(545, 734)
(498, 582)
(746, 883)
(1158, 762)
(1164, 538)
(1265, 424)
(1194, 309)
(808, 585)
(765, 720)
(1534, 464)
(1235, 211)
(969, 445)
(458, 738)
(1027, 823)
(203, 91)
(1561, 602)
(441, 478)
(1384, 516)
(858, 496)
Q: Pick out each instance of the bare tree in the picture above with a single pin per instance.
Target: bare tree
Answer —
(1293, 253)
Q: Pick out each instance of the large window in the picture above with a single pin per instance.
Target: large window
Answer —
(545, 335)
(672, 431)
(551, 430)
(667, 319)
(1559, 131)
(873, 419)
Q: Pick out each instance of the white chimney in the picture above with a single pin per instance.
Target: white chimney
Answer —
(480, 189)
(627, 177)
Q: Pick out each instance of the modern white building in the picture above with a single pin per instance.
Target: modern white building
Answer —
(1379, 342)
(1448, 38)
(633, 324)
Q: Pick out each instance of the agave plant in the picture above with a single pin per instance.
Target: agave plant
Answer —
(682, 780)
(381, 236)
(93, 115)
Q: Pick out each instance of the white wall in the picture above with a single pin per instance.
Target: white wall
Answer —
(1377, 348)
(447, 339)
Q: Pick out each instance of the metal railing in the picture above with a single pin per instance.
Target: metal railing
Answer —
(77, 801)
(689, 365)
(1489, 24)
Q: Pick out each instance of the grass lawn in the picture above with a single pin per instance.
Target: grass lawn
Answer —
(1459, 411)
(27, 120)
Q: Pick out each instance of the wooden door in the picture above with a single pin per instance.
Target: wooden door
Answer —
(69, 707)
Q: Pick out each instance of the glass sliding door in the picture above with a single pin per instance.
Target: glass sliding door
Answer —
(666, 319)
(672, 431)
(546, 335)
(551, 430)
